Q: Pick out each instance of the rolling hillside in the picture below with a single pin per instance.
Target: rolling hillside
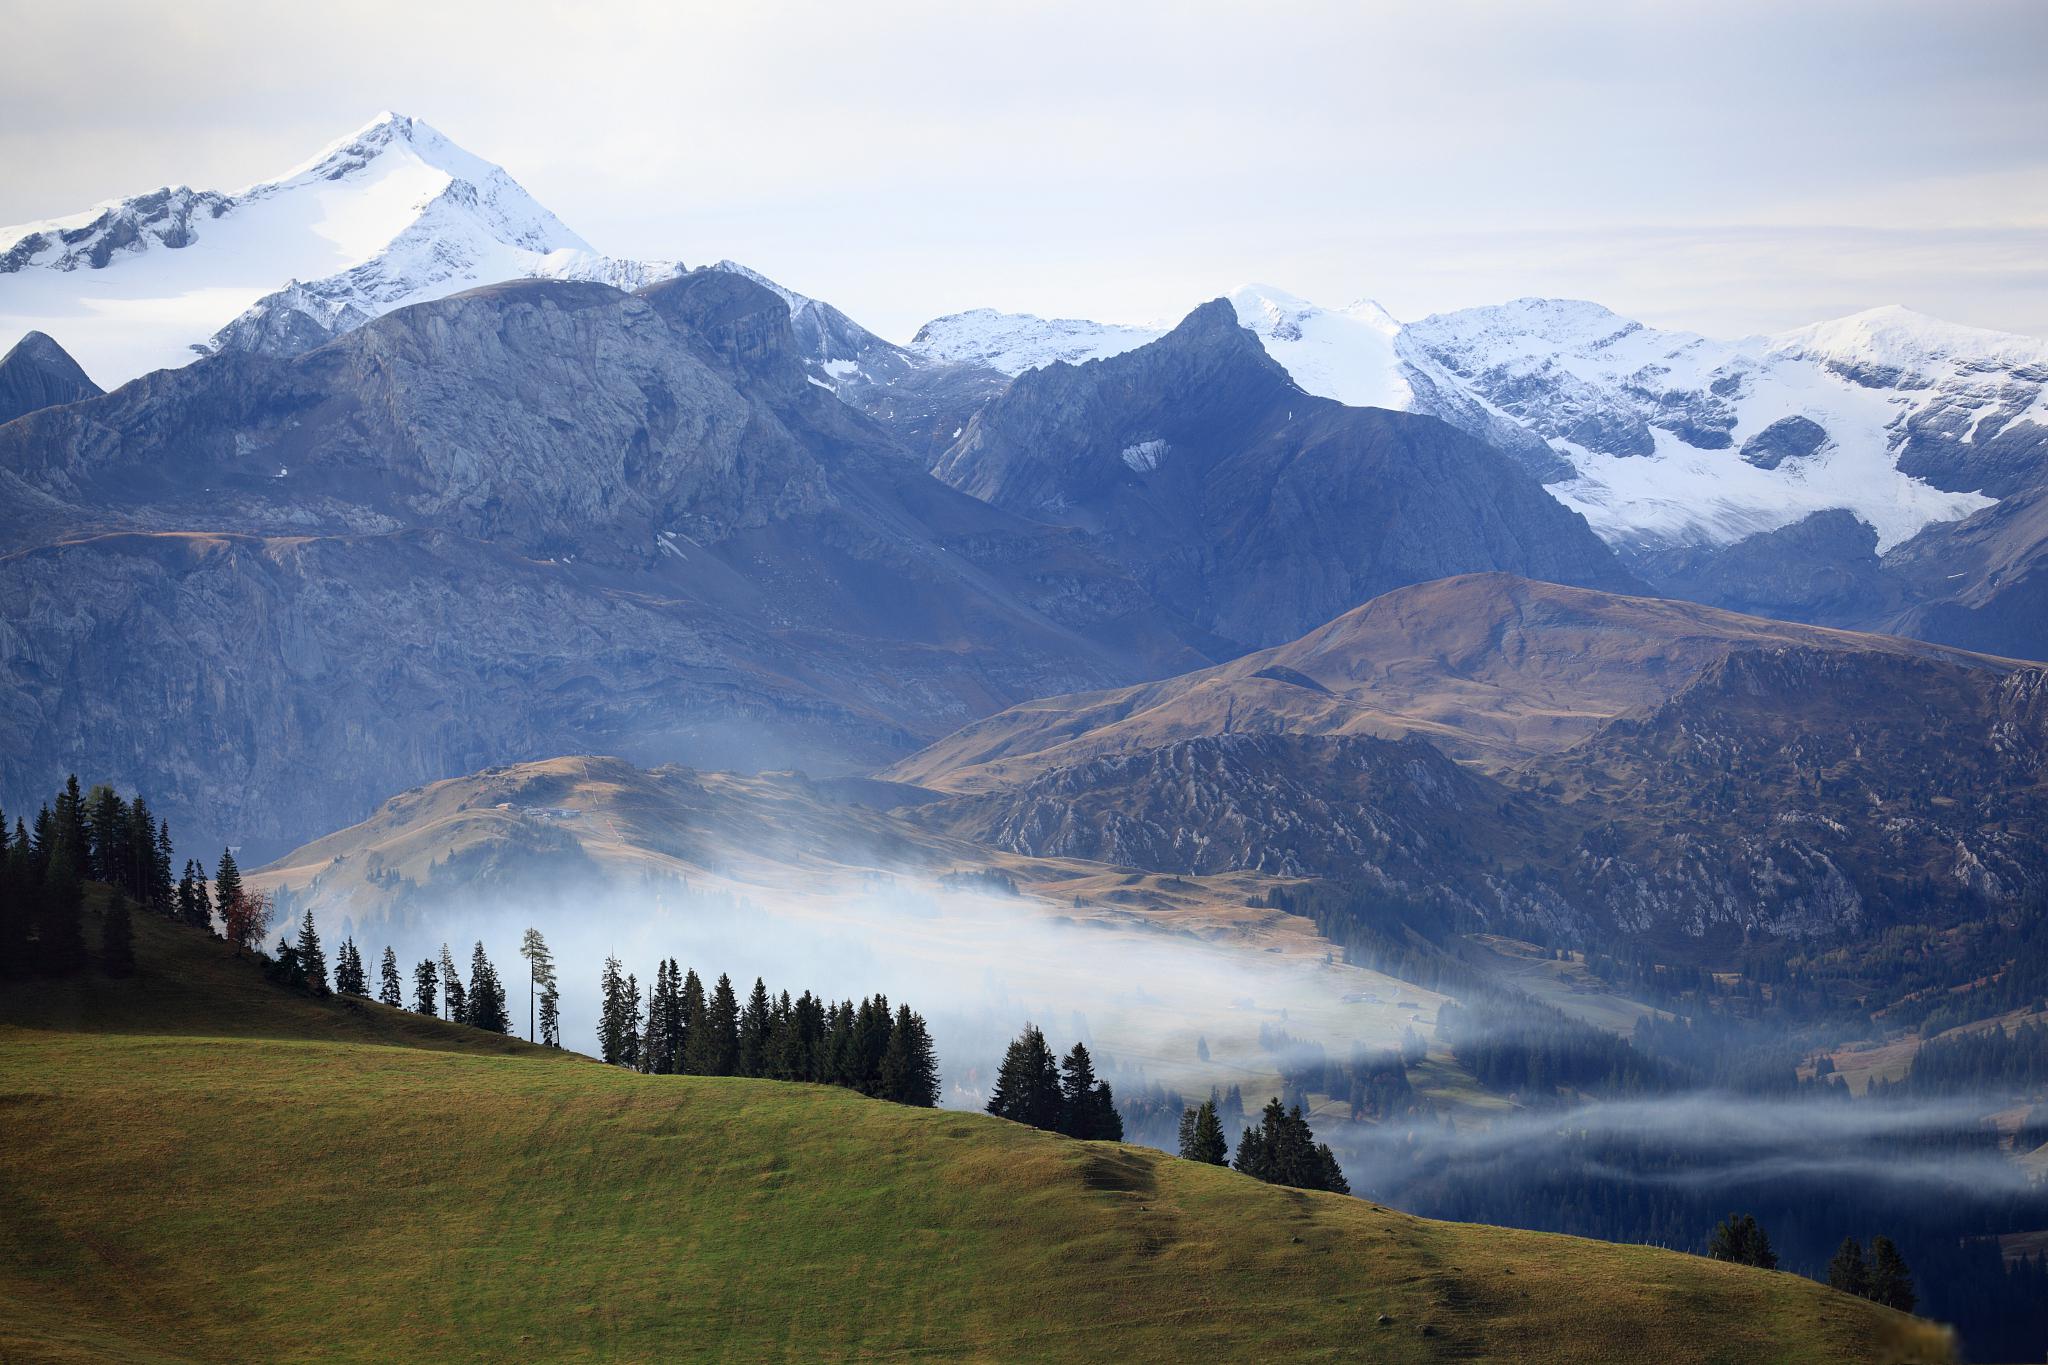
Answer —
(199, 1169)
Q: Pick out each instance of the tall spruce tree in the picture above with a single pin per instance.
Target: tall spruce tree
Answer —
(426, 987)
(312, 960)
(1201, 1135)
(1027, 1088)
(1890, 1283)
(486, 1000)
(390, 989)
(540, 975)
(722, 1025)
(756, 1025)
(1087, 1107)
(195, 906)
(1848, 1271)
(349, 977)
(871, 1028)
(162, 890)
(551, 1015)
(694, 1040)
(227, 882)
(629, 1056)
(612, 1013)
(453, 997)
(910, 1068)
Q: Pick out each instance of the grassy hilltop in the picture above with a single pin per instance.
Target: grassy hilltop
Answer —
(196, 1165)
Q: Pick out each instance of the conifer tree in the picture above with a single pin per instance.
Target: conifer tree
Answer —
(722, 1025)
(540, 974)
(1283, 1151)
(117, 939)
(871, 1029)
(486, 1005)
(349, 976)
(312, 960)
(1890, 1283)
(693, 1036)
(782, 1022)
(551, 1015)
(227, 883)
(802, 1041)
(1027, 1088)
(1087, 1108)
(756, 1020)
(1201, 1135)
(426, 988)
(629, 1055)
(1848, 1271)
(66, 847)
(390, 989)
(612, 1013)
(106, 828)
(651, 1044)
(452, 994)
(194, 908)
(1740, 1239)
(910, 1068)
(163, 892)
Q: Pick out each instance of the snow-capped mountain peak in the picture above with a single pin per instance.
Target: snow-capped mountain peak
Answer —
(393, 213)
(1911, 344)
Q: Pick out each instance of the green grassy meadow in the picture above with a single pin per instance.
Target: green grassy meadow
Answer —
(196, 1166)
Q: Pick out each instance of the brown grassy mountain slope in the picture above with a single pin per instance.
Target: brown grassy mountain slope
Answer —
(1490, 668)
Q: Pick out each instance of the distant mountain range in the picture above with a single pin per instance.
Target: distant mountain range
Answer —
(430, 484)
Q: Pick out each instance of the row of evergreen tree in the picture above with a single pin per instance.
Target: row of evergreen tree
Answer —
(1878, 1274)
(679, 1028)
(438, 988)
(96, 836)
(1060, 1097)
(1280, 1150)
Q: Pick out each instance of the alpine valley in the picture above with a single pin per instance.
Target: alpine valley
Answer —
(1597, 774)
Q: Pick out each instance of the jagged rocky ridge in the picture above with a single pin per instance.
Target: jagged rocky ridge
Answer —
(1248, 506)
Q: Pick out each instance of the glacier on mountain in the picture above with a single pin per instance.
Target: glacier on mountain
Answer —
(1656, 438)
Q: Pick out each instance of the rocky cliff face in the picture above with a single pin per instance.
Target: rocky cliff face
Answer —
(531, 519)
(1247, 505)
(1806, 792)
(1286, 805)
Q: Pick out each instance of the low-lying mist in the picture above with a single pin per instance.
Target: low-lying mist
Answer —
(976, 962)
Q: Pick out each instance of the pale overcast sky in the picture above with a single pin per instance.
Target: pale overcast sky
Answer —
(1727, 167)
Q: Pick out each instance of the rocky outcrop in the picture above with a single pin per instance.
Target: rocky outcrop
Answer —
(1822, 569)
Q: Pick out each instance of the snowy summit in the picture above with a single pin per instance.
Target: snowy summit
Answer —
(392, 214)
